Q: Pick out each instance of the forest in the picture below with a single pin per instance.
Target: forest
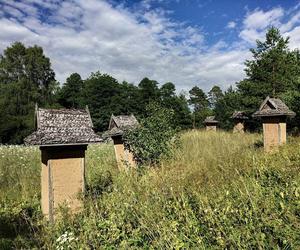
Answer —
(27, 78)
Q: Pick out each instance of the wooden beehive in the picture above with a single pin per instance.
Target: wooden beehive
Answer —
(117, 125)
(273, 113)
(211, 123)
(239, 118)
(63, 136)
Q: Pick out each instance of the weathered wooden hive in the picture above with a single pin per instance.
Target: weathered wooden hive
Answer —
(117, 126)
(63, 136)
(273, 113)
(211, 123)
(239, 118)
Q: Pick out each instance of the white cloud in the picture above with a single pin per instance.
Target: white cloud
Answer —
(257, 22)
(89, 35)
(231, 25)
(294, 35)
(259, 19)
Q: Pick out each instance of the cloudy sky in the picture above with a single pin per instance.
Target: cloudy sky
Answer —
(187, 42)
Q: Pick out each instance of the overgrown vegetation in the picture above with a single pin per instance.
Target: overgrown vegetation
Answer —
(217, 191)
(154, 137)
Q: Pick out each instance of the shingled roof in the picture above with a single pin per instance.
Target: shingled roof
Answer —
(118, 124)
(273, 107)
(62, 127)
(210, 119)
(239, 115)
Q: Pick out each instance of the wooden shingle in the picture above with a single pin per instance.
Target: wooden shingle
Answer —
(118, 124)
(62, 127)
(273, 107)
(210, 120)
(239, 115)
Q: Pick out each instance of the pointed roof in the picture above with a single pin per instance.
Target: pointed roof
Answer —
(62, 127)
(210, 119)
(118, 124)
(241, 115)
(273, 107)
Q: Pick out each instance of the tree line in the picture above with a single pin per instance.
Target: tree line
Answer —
(26, 78)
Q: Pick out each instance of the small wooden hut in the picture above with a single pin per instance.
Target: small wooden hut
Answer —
(239, 118)
(63, 136)
(211, 123)
(117, 126)
(273, 113)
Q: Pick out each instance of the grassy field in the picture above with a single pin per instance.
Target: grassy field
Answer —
(219, 190)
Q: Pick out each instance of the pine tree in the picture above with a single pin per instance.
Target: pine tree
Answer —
(272, 71)
(198, 99)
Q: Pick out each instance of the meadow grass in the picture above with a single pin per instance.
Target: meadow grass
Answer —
(217, 191)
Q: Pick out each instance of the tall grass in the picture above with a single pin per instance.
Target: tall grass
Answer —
(217, 191)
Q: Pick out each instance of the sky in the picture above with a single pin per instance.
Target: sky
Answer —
(187, 42)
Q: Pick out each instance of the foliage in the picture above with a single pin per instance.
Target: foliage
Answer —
(200, 103)
(178, 103)
(214, 95)
(70, 95)
(154, 137)
(225, 107)
(226, 194)
(26, 78)
(101, 94)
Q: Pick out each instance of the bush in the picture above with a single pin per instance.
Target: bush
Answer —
(154, 137)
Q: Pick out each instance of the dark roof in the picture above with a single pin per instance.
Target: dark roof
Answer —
(62, 126)
(118, 124)
(239, 115)
(273, 107)
(210, 119)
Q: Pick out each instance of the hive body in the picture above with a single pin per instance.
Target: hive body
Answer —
(238, 127)
(123, 156)
(62, 178)
(274, 129)
(211, 127)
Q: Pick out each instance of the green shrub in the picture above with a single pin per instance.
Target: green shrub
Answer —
(154, 137)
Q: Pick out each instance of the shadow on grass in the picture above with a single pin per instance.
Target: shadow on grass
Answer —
(18, 225)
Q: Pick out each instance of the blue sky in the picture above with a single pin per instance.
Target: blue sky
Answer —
(188, 42)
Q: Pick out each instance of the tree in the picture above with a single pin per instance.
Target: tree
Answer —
(148, 91)
(177, 103)
(70, 95)
(182, 114)
(214, 95)
(198, 100)
(272, 71)
(129, 97)
(102, 95)
(225, 106)
(167, 90)
(26, 78)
